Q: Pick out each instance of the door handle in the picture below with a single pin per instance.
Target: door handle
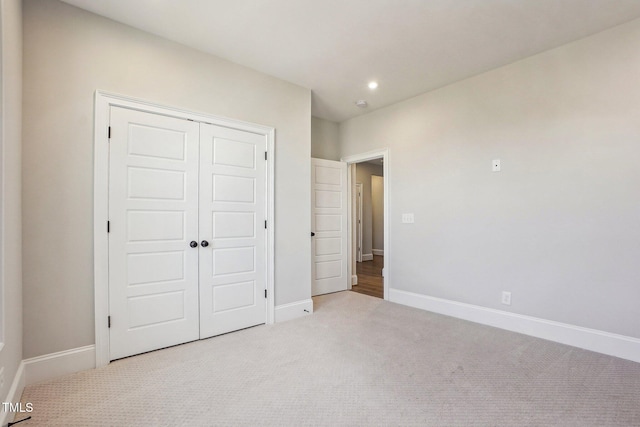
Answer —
(193, 244)
(204, 243)
(313, 234)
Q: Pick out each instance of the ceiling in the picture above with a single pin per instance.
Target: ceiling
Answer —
(335, 47)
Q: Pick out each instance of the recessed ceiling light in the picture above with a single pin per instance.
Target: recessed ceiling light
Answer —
(373, 85)
(362, 103)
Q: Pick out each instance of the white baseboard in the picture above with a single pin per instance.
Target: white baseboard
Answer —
(378, 252)
(54, 365)
(14, 395)
(354, 280)
(293, 310)
(589, 339)
(367, 257)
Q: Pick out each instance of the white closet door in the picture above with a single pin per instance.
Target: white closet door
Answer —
(329, 215)
(153, 214)
(232, 222)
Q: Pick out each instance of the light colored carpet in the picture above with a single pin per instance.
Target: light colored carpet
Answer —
(357, 360)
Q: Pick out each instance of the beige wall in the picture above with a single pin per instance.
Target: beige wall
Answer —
(69, 53)
(324, 139)
(364, 171)
(10, 215)
(558, 227)
(377, 212)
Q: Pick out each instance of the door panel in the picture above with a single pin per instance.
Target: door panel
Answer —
(156, 184)
(153, 211)
(232, 218)
(329, 222)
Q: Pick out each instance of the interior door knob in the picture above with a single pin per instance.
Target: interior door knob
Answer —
(313, 234)
(193, 244)
(204, 243)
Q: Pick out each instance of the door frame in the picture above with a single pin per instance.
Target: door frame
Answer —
(358, 224)
(359, 158)
(103, 102)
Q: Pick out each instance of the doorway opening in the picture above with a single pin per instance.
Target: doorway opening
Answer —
(369, 230)
(369, 223)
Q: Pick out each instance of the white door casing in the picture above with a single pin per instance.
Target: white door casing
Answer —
(153, 211)
(233, 222)
(351, 160)
(329, 217)
(358, 222)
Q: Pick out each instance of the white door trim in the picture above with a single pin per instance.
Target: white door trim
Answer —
(358, 218)
(103, 102)
(363, 157)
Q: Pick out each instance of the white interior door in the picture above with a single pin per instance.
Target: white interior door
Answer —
(232, 221)
(153, 217)
(329, 216)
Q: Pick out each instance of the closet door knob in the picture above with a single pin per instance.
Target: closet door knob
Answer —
(204, 243)
(193, 244)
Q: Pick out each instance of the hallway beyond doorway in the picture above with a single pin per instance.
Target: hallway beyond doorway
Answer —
(370, 280)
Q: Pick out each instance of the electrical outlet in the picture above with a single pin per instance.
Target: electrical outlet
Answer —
(506, 298)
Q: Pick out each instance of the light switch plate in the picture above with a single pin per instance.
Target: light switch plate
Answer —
(407, 218)
(495, 165)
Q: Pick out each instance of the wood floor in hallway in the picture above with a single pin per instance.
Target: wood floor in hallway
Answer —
(370, 277)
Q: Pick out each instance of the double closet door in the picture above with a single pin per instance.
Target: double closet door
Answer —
(187, 241)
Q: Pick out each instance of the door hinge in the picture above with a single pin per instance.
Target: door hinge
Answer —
(109, 132)
(265, 293)
(265, 223)
(108, 226)
(109, 321)
(265, 155)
